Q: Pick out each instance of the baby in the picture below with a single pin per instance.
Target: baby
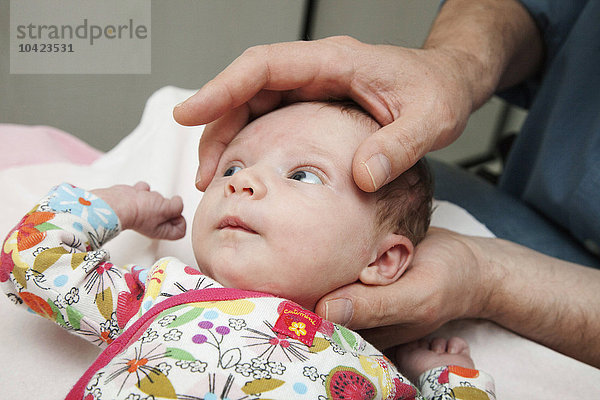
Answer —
(281, 224)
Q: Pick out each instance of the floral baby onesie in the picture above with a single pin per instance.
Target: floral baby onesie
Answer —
(171, 332)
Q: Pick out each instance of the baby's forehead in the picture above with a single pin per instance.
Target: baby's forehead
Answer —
(318, 124)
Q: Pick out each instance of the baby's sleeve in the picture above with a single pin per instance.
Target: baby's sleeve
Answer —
(53, 264)
(455, 382)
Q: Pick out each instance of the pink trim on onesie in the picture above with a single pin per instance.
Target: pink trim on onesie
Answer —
(192, 296)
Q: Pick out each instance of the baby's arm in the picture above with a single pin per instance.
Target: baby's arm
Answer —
(53, 261)
(144, 211)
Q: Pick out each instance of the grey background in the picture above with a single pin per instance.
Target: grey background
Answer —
(192, 40)
(126, 52)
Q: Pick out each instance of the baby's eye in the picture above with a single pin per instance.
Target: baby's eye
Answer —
(306, 177)
(232, 170)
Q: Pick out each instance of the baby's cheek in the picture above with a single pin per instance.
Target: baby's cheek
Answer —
(203, 251)
(197, 242)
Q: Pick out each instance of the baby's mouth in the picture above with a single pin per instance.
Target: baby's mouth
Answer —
(234, 223)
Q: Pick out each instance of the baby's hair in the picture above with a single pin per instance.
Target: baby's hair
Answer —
(404, 205)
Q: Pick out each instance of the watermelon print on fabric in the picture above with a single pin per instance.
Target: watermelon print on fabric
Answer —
(171, 332)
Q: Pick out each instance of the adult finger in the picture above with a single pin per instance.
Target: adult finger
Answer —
(388, 336)
(387, 315)
(214, 140)
(361, 306)
(392, 150)
(218, 134)
(279, 66)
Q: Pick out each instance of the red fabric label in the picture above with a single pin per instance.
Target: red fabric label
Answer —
(297, 323)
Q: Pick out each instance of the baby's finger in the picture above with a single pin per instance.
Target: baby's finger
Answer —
(142, 186)
(458, 345)
(176, 228)
(175, 207)
(439, 345)
(172, 229)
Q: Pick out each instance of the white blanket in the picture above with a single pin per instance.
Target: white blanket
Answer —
(39, 360)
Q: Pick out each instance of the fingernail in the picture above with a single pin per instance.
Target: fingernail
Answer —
(379, 169)
(339, 311)
(198, 177)
(179, 104)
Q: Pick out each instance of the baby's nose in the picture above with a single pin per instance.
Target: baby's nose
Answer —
(232, 188)
(247, 183)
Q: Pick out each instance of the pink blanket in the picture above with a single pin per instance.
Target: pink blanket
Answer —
(27, 145)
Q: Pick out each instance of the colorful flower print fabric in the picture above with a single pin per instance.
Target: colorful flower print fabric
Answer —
(52, 263)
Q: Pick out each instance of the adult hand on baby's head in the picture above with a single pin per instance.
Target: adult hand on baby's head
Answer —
(443, 283)
(420, 97)
(145, 211)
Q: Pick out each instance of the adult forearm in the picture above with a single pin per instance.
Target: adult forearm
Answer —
(496, 42)
(548, 300)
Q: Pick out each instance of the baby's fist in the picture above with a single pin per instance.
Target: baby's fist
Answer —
(145, 211)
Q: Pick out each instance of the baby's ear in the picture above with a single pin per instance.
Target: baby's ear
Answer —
(394, 255)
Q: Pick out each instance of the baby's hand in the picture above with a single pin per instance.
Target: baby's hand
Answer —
(146, 212)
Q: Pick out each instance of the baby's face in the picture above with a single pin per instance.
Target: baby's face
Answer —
(283, 214)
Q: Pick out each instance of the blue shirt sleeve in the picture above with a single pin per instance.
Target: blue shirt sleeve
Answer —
(555, 20)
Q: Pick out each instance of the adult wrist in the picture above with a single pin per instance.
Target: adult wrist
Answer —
(497, 43)
(469, 64)
(492, 273)
(468, 73)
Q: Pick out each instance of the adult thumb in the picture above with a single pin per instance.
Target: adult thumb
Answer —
(390, 151)
(358, 306)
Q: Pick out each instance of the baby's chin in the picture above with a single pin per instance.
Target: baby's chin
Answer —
(243, 276)
(227, 274)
